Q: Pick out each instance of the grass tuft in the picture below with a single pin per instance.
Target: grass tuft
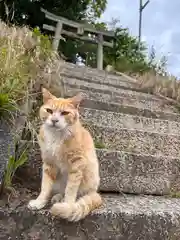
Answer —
(27, 61)
(167, 86)
(99, 144)
(23, 57)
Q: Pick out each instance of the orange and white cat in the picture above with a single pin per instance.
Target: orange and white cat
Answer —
(67, 147)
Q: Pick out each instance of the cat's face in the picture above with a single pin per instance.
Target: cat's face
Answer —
(59, 113)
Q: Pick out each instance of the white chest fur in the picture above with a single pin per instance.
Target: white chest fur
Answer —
(51, 146)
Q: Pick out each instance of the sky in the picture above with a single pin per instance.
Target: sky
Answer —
(160, 25)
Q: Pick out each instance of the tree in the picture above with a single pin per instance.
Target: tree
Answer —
(126, 54)
(95, 9)
(28, 11)
(158, 65)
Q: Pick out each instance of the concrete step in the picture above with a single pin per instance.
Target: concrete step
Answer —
(122, 98)
(96, 74)
(121, 101)
(138, 173)
(135, 141)
(104, 78)
(118, 91)
(120, 218)
(121, 120)
(120, 171)
(131, 110)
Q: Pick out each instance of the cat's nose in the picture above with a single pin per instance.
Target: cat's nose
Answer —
(54, 121)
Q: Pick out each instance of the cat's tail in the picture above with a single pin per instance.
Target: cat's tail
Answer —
(76, 211)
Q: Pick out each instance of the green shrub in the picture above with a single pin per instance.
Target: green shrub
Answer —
(23, 57)
(13, 164)
(7, 106)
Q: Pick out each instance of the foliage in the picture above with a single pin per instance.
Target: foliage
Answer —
(13, 164)
(21, 58)
(45, 46)
(174, 194)
(100, 26)
(7, 106)
(71, 47)
(95, 9)
(158, 66)
(99, 144)
(25, 12)
(126, 54)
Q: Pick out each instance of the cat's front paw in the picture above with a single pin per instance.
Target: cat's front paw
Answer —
(36, 204)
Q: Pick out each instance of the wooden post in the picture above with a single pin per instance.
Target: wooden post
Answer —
(57, 35)
(100, 52)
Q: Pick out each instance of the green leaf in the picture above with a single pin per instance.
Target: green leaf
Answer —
(21, 160)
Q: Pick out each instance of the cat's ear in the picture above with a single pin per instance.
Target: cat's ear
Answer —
(46, 95)
(76, 100)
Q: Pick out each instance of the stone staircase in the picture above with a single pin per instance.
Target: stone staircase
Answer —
(138, 146)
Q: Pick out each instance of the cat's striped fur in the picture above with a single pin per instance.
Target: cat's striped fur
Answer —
(67, 147)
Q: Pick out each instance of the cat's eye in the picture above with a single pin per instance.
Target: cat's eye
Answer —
(64, 113)
(49, 110)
